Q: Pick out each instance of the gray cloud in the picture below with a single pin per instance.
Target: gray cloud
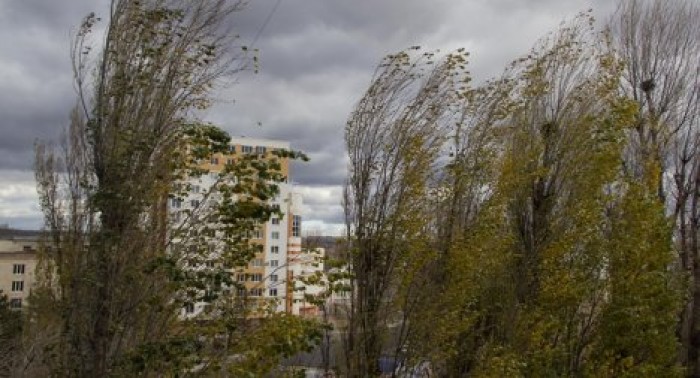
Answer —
(317, 58)
(36, 91)
(18, 200)
(321, 209)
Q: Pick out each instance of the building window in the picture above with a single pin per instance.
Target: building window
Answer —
(176, 203)
(232, 149)
(274, 249)
(257, 277)
(247, 149)
(194, 203)
(16, 303)
(257, 262)
(274, 262)
(189, 308)
(257, 234)
(258, 292)
(260, 149)
(275, 220)
(195, 188)
(17, 285)
(241, 292)
(229, 161)
(18, 268)
(273, 292)
(273, 278)
(214, 161)
(275, 235)
(296, 225)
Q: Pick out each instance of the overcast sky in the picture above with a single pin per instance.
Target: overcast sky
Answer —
(317, 57)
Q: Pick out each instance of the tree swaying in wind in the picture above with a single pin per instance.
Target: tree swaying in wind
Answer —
(523, 247)
(118, 266)
(660, 42)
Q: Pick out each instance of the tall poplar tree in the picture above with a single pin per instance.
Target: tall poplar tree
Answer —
(541, 245)
(660, 44)
(118, 266)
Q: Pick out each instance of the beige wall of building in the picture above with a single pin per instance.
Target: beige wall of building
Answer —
(17, 268)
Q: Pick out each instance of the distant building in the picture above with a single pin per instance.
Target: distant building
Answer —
(303, 267)
(268, 274)
(18, 259)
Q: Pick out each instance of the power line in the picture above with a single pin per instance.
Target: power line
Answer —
(264, 25)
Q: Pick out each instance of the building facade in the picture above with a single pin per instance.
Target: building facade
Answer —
(305, 268)
(18, 259)
(274, 274)
(269, 274)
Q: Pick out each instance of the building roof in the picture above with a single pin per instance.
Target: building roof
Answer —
(11, 233)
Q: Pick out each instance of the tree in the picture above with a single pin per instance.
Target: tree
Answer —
(120, 266)
(659, 43)
(638, 321)
(393, 137)
(542, 234)
(559, 149)
(561, 178)
(10, 336)
(518, 254)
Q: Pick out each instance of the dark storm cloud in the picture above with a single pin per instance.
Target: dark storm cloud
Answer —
(317, 58)
(56, 16)
(35, 77)
(322, 35)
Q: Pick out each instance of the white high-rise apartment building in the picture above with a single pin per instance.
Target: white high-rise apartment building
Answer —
(269, 274)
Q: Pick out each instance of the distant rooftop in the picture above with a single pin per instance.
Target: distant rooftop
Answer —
(11, 233)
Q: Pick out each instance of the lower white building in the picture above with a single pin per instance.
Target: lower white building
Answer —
(306, 272)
